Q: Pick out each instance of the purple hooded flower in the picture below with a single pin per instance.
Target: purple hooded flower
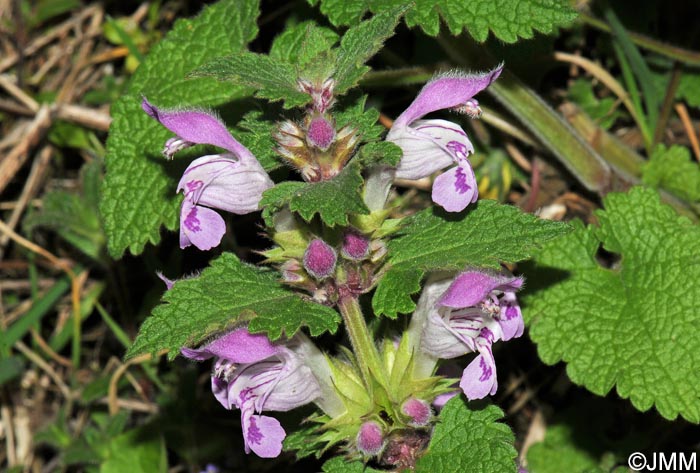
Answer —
(252, 374)
(431, 145)
(233, 181)
(476, 310)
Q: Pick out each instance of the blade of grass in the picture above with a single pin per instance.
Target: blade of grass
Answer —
(118, 332)
(639, 67)
(38, 310)
(58, 341)
(650, 44)
(669, 99)
(125, 38)
(640, 116)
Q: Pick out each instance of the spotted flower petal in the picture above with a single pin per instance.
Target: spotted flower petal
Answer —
(428, 146)
(455, 189)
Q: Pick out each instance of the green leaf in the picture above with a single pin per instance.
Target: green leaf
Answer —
(604, 111)
(273, 80)
(333, 200)
(138, 194)
(71, 216)
(257, 137)
(360, 43)
(561, 451)
(393, 294)
(353, 113)
(342, 465)
(586, 438)
(486, 235)
(10, 368)
(632, 326)
(507, 19)
(225, 293)
(469, 439)
(309, 48)
(140, 450)
(382, 152)
(689, 87)
(651, 94)
(675, 171)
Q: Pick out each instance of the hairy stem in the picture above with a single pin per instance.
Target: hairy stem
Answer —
(362, 342)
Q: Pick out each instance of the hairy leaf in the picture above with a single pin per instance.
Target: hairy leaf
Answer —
(227, 292)
(632, 326)
(468, 439)
(675, 171)
(138, 194)
(273, 80)
(333, 200)
(486, 235)
(507, 19)
(360, 43)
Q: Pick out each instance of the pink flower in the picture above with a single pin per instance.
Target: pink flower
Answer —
(233, 181)
(253, 374)
(431, 145)
(477, 309)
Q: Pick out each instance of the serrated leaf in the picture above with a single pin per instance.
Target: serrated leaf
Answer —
(484, 236)
(353, 113)
(309, 48)
(342, 465)
(393, 295)
(675, 171)
(273, 80)
(507, 19)
(632, 326)
(469, 439)
(301, 43)
(333, 200)
(360, 43)
(382, 152)
(257, 137)
(226, 292)
(140, 450)
(138, 195)
(304, 442)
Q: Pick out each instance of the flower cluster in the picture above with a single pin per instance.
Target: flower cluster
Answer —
(376, 401)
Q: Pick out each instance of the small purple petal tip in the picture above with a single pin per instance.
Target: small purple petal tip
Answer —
(320, 133)
(320, 259)
(370, 438)
(355, 246)
(418, 410)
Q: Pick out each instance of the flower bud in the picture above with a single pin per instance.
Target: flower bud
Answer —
(355, 246)
(370, 438)
(319, 259)
(418, 410)
(378, 249)
(320, 133)
(291, 272)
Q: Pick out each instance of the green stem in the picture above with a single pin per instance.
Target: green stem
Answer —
(362, 342)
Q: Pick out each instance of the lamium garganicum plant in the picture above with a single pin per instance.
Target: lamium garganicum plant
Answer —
(343, 255)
